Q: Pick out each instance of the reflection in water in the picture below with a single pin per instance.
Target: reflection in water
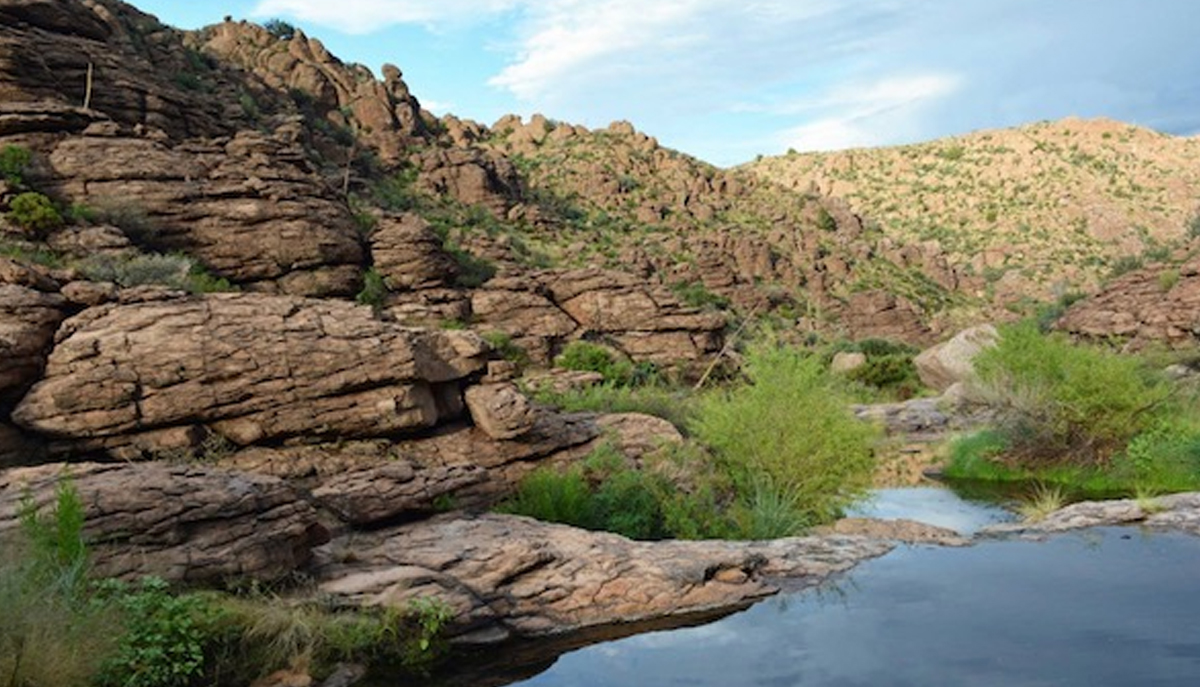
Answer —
(931, 505)
(1105, 607)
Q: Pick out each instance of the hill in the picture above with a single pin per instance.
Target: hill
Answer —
(1033, 210)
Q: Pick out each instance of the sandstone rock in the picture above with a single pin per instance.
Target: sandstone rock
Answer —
(637, 434)
(1179, 512)
(28, 320)
(500, 410)
(375, 495)
(252, 367)
(558, 380)
(251, 208)
(409, 255)
(907, 531)
(951, 362)
(179, 522)
(1137, 307)
(470, 176)
(844, 362)
(883, 315)
(539, 579)
(18, 448)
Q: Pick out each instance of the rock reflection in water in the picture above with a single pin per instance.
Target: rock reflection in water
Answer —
(1107, 606)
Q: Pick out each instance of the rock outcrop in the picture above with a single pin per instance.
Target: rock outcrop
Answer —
(1178, 512)
(252, 368)
(183, 523)
(528, 578)
(1155, 304)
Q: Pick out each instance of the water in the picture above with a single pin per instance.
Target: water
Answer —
(931, 505)
(1103, 607)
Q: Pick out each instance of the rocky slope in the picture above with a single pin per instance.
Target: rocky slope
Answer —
(1030, 209)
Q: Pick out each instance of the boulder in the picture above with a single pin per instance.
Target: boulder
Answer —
(183, 523)
(409, 255)
(30, 312)
(500, 410)
(845, 362)
(252, 368)
(951, 362)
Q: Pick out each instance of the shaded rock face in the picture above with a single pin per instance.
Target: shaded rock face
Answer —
(535, 579)
(249, 367)
(1155, 304)
(137, 65)
(642, 320)
(30, 311)
(181, 523)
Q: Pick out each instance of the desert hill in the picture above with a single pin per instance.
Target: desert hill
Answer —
(1052, 204)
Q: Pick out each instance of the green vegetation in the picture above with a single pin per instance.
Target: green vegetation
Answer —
(503, 344)
(788, 435)
(676, 405)
(374, 291)
(616, 368)
(770, 458)
(174, 271)
(280, 29)
(13, 162)
(1094, 423)
(34, 212)
(889, 370)
(63, 630)
(696, 295)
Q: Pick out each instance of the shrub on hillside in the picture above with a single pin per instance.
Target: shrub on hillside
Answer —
(34, 212)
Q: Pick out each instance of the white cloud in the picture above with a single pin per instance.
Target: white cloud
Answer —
(868, 114)
(366, 16)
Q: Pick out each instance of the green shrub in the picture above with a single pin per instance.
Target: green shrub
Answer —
(34, 212)
(585, 356)
(280, 29)
(503, 344)
(13, 162)
(1167, 279)
(473, 271)
(1067, 403)
(165, 639)
(374, 291)
(789, 430)
(553, 495)
(696, 295)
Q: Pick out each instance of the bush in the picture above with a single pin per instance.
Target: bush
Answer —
(13, 162)
(584, 356)
(374, 291)
(34, 212)
(789, 431)
(1067, 403)
(280, 29)
(503, 344)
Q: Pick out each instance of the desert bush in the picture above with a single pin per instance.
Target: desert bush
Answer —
(13, 162)
(374, 291)
(695, 295)
(1066, 403)
(34, 212)
(502, 343)
(789, 430)
(280, 29)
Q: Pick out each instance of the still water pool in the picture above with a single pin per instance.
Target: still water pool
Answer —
(1107, 606)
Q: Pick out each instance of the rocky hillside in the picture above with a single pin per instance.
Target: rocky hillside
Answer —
(1029, 209)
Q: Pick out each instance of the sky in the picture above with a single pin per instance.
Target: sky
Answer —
(727, 81)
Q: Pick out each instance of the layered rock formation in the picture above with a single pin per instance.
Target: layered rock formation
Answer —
(1160, 303)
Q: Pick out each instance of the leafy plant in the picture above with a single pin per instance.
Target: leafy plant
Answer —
(676, 405)
(585, 356)
(1062, 402)
(165, 636)
(789, 430)
(13, 162)
(374, 291)
(34, 212)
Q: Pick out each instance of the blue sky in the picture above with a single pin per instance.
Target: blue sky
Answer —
(726, 81)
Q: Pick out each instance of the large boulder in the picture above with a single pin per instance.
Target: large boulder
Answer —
(183, 523)
(952, 362)
(252, 368)
(30, 311)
